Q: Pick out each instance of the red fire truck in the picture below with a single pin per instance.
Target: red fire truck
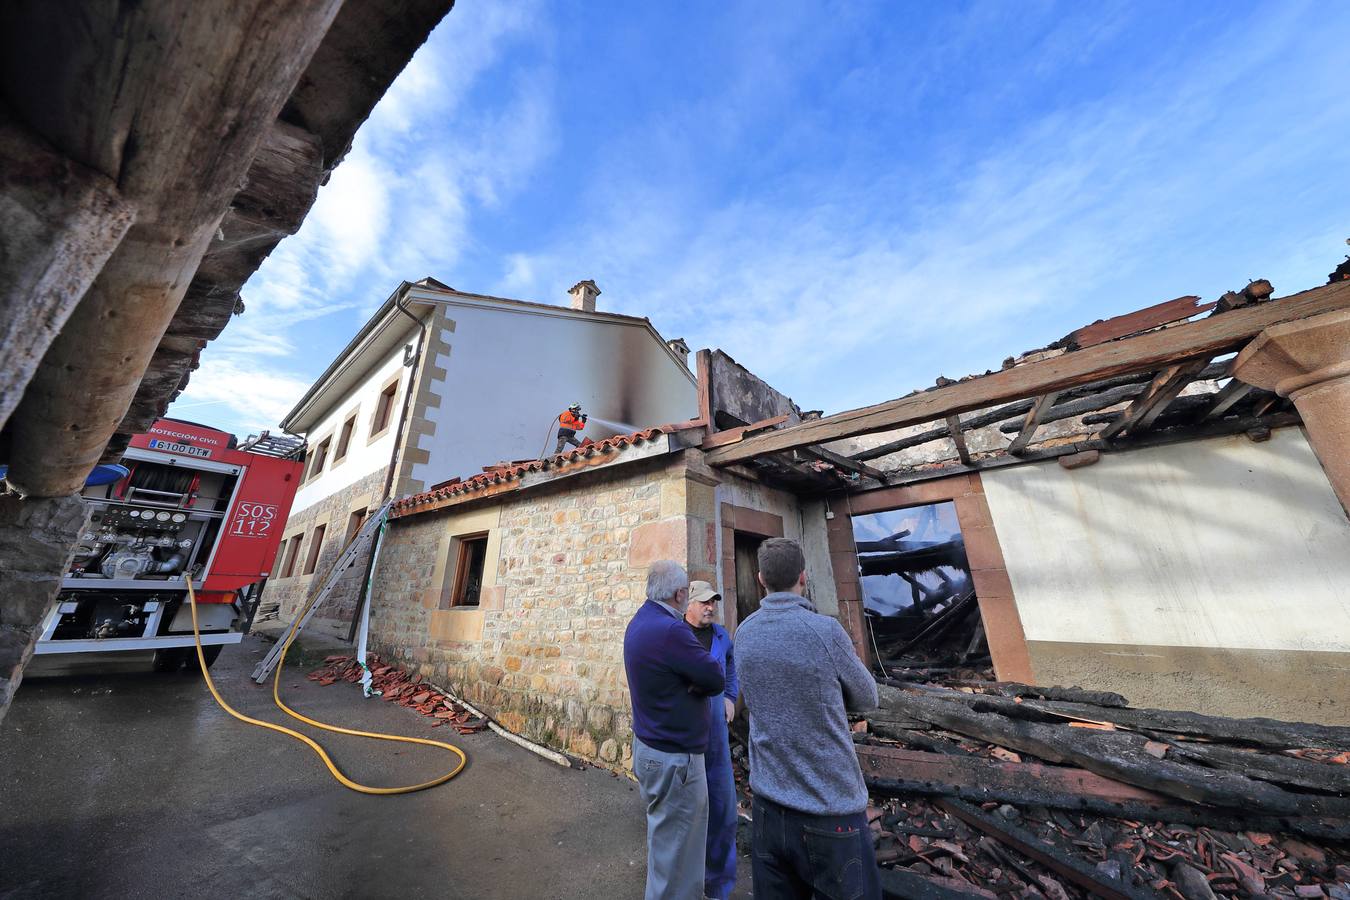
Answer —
(187, 501)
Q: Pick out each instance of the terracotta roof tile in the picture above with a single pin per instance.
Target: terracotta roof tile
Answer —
(503, 473)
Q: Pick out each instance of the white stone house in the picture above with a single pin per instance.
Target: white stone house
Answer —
(439, 383)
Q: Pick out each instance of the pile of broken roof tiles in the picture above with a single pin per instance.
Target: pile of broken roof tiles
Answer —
(1009, 790)
(397, 686)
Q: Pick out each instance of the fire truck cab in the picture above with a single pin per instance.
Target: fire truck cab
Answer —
(192, 503)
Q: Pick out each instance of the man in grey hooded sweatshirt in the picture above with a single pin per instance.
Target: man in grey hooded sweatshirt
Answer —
(799, 677)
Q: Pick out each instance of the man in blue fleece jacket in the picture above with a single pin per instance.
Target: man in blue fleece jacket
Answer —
(670, 677)
(799, 677)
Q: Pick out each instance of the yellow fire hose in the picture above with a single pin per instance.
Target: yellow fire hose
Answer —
(310, 742)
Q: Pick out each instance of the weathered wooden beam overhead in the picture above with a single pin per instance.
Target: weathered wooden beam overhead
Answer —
(1141, 414)
(59, 223)
(1206, 337)
(1032, 422)
(172, 100)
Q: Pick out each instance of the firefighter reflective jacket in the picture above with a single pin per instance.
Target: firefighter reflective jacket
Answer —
(570, 421)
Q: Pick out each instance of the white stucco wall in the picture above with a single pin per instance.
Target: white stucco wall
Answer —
(1222, 543)
(363, 455)
(511, 370)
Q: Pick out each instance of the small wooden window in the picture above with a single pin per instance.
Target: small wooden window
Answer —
(345, 438)
(354, 523)
(292, 553)
(315, 545)
(384, 409)
(469, 570)
(320, 457)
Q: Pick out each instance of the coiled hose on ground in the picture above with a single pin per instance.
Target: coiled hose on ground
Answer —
(305, 739)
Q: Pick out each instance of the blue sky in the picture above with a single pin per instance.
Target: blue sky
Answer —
(850, 198)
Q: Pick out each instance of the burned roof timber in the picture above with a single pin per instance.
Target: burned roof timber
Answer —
(1183, 343)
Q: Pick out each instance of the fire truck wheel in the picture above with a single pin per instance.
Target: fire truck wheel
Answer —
(170, 659)
(210, 653)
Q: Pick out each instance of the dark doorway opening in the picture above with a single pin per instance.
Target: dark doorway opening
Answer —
(748, 591)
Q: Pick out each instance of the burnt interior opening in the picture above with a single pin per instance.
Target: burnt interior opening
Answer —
(918, 595)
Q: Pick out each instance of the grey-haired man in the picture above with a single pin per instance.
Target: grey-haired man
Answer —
(670, 678)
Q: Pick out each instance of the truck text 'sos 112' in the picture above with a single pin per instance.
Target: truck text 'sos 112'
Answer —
(191, 502)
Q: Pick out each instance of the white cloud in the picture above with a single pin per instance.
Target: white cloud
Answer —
(238, 394)
(842, 290)
(399, 206)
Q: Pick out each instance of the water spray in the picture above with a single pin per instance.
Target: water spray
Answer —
(621, 427)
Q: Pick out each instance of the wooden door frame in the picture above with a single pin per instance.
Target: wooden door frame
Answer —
(993, 589)
(747, 521)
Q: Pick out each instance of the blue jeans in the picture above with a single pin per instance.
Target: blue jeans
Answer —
(720, 876)
(675, 792)
(801, 856)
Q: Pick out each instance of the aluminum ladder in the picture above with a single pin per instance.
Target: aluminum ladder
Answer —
(354, 550)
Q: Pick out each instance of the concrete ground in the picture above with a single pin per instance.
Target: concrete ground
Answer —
(130, 784)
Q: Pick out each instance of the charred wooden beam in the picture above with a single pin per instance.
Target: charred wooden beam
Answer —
(843, 462)
(902, 884)
(731, 435)
(1231, 393)
(958, 438)
(1139, 416)
(1210, 336)
(1033, 420)
(1097, 390)
(1115, 754)
(1154, 438)
(1276, 768)
(914, 556)
(1023, 841)
(1086, 405)
(885, 545)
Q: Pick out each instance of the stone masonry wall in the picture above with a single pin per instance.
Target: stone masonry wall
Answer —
(335, 615)
(543, 654)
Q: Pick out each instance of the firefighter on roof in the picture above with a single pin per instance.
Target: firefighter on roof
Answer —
(570, 422)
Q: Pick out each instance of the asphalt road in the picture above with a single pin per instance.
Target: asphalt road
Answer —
(132, 784)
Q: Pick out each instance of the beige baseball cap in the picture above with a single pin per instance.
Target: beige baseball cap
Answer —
(702, 592)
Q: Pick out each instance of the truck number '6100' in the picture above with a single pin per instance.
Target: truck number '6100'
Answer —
(182, 449)
(253, 520)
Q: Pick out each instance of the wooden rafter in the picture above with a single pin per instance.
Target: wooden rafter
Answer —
(1087, 397)
(1032, 422)
(1140, 415)
(958, 438)
(843, 462)
(1232, 393)
(1209, 336)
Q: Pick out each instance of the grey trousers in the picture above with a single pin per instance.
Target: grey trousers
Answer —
(675, 789)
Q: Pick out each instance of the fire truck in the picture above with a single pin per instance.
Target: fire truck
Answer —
(187, 501)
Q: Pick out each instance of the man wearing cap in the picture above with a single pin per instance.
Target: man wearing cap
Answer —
(670, 678)
(719, 875)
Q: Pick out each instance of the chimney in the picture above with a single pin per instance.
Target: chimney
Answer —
(681, 350)
(583, 295)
